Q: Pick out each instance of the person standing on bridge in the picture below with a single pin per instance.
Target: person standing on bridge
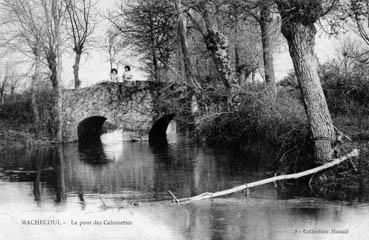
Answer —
(127, 76)
(114, 75)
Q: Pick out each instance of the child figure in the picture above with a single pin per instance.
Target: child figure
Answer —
(127, 76)
(114, 75)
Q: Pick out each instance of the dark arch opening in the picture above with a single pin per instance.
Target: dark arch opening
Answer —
(157, 133)
(90, 129)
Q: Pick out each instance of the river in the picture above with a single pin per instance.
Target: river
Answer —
(119, 190)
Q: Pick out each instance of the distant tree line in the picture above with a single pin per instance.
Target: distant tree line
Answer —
(39, 30)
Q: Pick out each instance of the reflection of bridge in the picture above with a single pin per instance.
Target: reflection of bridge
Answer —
(129, 106)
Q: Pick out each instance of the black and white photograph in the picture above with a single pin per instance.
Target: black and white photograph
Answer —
(184, 119)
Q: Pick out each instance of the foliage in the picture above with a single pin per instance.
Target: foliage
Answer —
(149, 27)
(19, 114)
(346, 93)
(346, 90)
(281, 123)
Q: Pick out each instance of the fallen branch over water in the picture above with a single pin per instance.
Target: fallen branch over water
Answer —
(208, 195)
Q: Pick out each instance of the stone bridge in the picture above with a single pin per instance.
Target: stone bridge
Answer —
(129, 106)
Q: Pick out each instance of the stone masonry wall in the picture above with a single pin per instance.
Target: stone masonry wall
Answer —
(128, 105)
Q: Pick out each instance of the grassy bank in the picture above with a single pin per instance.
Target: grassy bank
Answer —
(15, 137)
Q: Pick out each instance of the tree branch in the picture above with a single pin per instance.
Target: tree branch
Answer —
(207, 195)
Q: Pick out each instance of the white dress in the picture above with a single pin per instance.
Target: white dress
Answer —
(127, 76)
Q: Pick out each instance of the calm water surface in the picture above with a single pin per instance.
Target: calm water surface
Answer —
(96, 185)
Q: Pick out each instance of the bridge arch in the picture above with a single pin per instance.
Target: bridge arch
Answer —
(159, 128)
(90, 129)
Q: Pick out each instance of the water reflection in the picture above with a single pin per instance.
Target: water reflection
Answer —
(92, 152)
(139, 170)
(60, 176)
(75, 176)
(42, 166)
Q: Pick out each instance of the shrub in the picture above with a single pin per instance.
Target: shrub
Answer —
(346, 93)
(20, 115)
(17, 112)
(280, 123)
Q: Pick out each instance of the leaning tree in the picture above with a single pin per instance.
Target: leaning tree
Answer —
(298, 27)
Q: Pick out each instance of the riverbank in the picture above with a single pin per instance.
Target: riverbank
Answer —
(19, 137)
(17, 127)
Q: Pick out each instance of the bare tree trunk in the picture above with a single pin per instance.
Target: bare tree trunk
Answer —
(3, 86)
(59, 68)
(186, 56)
(60, 98)
(77, 60)
(182, 25)
(238, 67)
(52, 64)
(2, 96)
(2, 90)
(155, 64)
(35, 80)
(218, 45)
(265, 20)
(111, 64)
(237, 47)
(180, 65)
(301, 40)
